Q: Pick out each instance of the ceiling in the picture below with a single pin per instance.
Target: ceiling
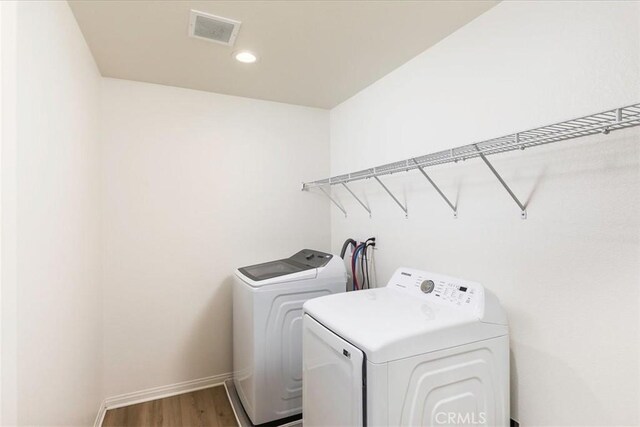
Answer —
(313, 53)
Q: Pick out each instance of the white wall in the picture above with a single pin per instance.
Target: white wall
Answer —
(50, 228)
(8, 288)
(195, 185)
(568, 276)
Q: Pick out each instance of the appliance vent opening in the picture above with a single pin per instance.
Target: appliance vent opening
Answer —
(213, 28)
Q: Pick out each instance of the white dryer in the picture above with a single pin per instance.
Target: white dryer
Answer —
(425, 350)
(267, 329)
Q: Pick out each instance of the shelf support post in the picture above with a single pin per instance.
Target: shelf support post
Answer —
(523, 208)
(404, 209)
(326, 193)
(357, 198)
(421, 169)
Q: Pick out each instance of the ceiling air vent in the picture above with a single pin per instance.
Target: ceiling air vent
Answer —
(213, 28)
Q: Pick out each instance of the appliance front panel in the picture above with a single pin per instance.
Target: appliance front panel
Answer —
(267, 339)
(243, 352)
(283, 349)
(463, 386)
(333, 378)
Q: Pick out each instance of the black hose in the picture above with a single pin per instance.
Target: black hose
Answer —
(366, 260)
(345, 245)
(371, 241)
(362, 258)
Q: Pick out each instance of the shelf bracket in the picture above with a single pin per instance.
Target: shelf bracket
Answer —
(421, 169)
(326, 193)
(523, 208)
(406, 213)
(357, 198)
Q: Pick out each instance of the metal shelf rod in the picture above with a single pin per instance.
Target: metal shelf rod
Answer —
(326, 193)
(605, 122)
(455, 211)
(357, 198)
(406, 214)
(523, 209)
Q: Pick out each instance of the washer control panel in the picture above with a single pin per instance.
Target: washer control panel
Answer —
(457, 293)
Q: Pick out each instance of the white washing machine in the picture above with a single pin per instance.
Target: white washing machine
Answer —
(267, 329)
(425, 350)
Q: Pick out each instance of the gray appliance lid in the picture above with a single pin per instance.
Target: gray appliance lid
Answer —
(306, 259)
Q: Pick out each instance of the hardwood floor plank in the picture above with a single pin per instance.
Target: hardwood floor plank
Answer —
(171, 412)
(114, 418)
(206, 408)
(190, 416)
(222, 406)
(140, 414)
(203, 408)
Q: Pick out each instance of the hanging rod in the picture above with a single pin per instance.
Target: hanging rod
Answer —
(605, 122)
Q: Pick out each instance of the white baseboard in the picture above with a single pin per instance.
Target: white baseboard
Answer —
(158, 393)
(100, 417)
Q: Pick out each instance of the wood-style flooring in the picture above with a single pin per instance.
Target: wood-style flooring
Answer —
(203, 408)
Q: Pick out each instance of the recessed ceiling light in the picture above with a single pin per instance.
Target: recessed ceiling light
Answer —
(245, 56)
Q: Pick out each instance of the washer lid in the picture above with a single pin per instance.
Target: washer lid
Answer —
(301, 265)
(272, 269)
(401, 320)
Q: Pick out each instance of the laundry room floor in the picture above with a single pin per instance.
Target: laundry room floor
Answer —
(203, 408)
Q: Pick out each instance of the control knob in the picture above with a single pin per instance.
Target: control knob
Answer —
(427, 286)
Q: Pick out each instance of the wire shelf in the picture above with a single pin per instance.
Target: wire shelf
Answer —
(605, 122)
